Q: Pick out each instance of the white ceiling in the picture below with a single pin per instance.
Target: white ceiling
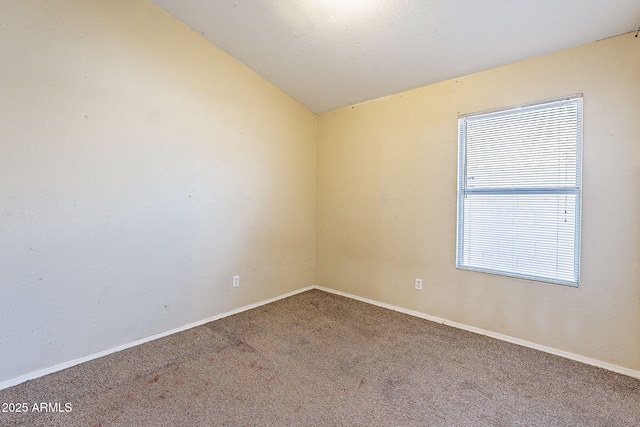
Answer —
(332, 53)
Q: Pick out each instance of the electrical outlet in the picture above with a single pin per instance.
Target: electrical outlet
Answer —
(236, 281)
(419, 284)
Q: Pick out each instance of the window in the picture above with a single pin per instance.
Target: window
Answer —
(519, 191)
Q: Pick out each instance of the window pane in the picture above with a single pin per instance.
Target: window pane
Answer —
(532, 234)
(524, 149)
(519, 191)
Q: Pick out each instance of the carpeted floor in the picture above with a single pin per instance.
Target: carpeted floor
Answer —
(317, 359)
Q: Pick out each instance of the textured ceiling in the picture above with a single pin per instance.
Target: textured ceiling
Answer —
(331, 53)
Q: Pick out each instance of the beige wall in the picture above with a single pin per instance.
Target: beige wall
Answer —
(386, 204)
(140, 169)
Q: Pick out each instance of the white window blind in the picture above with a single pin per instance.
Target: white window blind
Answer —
(519, 191)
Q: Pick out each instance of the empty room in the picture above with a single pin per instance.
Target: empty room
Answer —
(319, 212)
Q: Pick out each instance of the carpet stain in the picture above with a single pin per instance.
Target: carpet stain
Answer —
(242, 346)
(394, 390)
(257, 367)
(350, 365)
(302, 341)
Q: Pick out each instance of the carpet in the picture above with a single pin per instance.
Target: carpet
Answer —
(318, 359)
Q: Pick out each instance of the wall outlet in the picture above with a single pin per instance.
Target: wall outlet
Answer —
(419, 284)
(236, 281)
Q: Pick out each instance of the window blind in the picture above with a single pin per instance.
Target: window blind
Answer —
(519, 191)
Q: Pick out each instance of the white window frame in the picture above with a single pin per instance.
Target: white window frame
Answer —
(464, 190)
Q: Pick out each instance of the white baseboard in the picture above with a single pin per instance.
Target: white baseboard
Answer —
(565, 354)
(59, 367)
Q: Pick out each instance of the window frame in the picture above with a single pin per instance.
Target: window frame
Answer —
(463, 189)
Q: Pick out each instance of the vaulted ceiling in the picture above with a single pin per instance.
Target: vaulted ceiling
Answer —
(331, 53)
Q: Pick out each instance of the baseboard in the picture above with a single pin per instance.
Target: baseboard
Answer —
(59, 367)
(576, 357)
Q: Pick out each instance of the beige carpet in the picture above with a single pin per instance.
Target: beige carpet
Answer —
(317, 359)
